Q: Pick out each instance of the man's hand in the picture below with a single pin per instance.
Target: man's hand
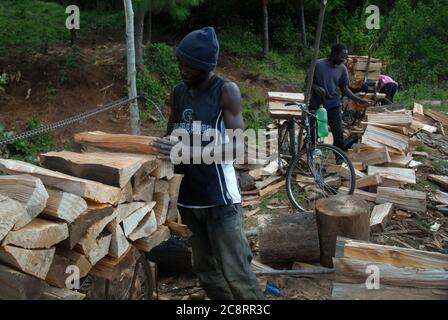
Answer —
(164, 147)
(319, 91)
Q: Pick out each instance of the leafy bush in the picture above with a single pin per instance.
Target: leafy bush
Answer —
(3, 81)
(160, 59)
(150, 85)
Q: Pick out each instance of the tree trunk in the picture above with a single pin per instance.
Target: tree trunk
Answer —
(303, 24)
(132, 72)
(139, 28)
(289, 237)
(265, 29)
(346, 216)
(148, 27)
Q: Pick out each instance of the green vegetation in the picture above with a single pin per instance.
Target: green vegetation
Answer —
(26, 149)
(3, 81)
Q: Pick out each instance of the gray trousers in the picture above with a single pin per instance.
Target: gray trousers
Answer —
(221, 253)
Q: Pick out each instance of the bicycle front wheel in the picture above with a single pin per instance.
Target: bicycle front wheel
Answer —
(324, 171)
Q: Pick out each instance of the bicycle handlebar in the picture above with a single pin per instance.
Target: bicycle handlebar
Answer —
(301, 106)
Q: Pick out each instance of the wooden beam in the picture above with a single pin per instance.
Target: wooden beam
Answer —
(38, 234)
(346, 291)
(442, 181)
(146, 244)
(402, 199)
(34, 262)
(145, 228)
(380, 216)
(92, 190)
(63, 205)
(11, 211)
(398, 174)
(29, 191)
(354, 271)
(113, 170)
(117, 142)
(57, 275)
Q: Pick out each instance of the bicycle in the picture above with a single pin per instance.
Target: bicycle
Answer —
(316, 170)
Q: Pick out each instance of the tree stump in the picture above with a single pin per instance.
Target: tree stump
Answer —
(288, 237)
(340, 215)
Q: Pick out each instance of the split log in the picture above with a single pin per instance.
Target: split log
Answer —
(162, 200)
(11, 211)
(380, 216)
(146, 244)
(110, 267)
(97, 251)
(132, 221)
(369, 181)
(113, 170)
(442, 181)
(393, 119)
(437, 116)
(127, 194)
(340, 216)
(80, 226)
(16, 285)
(175, 183)
(119, 244)
(65, 206)
(29, 191)
(271, 189)
(92, 190)
(34, 262)
(370, 157)
(145, 190)
(165, 169)
(288, 237)
(179, 229)
(38, 234)
(117, 142)
(402, 199)
(57, 275)
(367, 196)
(345, 291)
(52, 293)
(354, 271)
(124, 210)
(267, 181)
(398, 174)
(400, 161)
(394, 256)
(377, 137)
(145, 228)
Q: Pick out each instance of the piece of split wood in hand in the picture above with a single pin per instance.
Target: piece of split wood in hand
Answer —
(38, 234)
(414, 201)
(88, 189)
(113, 170)
(29, 191)
(117, 142)
(380, 216)
(11, 211)
(64, 205)
(34, 262)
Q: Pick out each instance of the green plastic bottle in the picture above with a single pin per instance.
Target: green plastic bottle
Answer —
(322, 122)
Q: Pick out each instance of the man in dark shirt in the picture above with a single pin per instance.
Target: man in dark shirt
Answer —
(330, 77)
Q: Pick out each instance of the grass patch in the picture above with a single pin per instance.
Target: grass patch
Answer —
(440, 166)
(423, 185)
(423, 92)
(423, 148)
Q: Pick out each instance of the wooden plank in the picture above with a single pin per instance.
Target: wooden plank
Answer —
(286, 96)
(354, 271)
(11, 211)
(437, 116)
(119, 245)
(402, 199)
(79, 227)
(57, 275)
(113, 170)
(368, 196)
(92, 190)
(345, 291)
(393, 119)
(146, 244)
(442, 181)
(63, 205)
(29, 191)
(34, 262)
(38, 234)
(145, 228)
(393, 140)
(272, 189)
(395, 256)
(370, 157)
(380, 216)
(398, 174)
(133, 220)
(117, 142)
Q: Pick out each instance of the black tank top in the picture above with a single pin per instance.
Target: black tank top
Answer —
(203, 185)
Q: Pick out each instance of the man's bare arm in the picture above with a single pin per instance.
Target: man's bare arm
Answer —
(346, 90)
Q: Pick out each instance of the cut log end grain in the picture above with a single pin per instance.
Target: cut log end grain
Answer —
(10, 212)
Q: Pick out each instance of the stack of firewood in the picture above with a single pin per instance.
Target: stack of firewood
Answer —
(89, 210)
(359, 68)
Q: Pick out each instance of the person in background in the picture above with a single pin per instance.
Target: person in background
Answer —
(388, 86)
(331, 77)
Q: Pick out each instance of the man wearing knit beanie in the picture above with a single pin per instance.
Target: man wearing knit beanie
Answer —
(209, 199)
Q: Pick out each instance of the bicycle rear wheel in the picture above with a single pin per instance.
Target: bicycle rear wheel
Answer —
(327, 172)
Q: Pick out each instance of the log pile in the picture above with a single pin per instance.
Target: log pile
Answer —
(359, 66)
(89, 210)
